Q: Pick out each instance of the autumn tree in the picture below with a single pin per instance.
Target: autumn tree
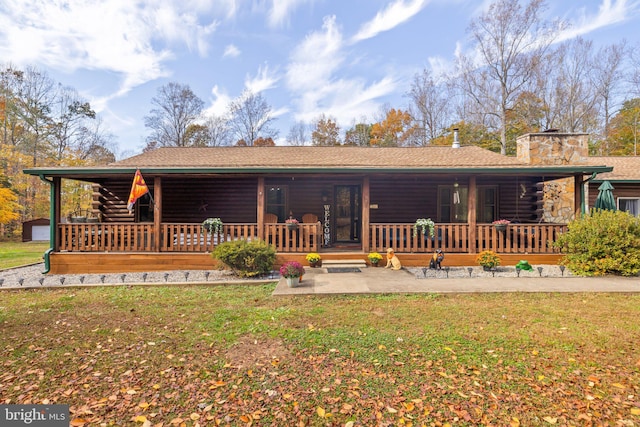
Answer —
(393, 131)
(264, 142)
(176, 107)
(250, 118)
(359, 135)
(509, 42)
(9, 207)
(625, 130)
(325, 132)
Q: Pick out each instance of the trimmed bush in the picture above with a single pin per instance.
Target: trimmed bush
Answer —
(246, 259)
(602, 242)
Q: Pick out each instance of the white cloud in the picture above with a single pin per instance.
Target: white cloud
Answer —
(219, 104)
(314, 60)
(609, 13)
(131, 39)
(263, 81)
(393, 15)
(231, 51)
(280, 10)
(316, 86)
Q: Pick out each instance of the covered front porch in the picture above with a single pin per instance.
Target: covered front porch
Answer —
(83, 246)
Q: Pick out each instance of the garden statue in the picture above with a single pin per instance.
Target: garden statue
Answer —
(436, 259)
(392, 260)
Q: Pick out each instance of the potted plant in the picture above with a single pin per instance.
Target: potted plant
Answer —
(488, 259)
(501, 224)
(423, 224)
(314, 259)
(292, 223)
(213, 225)
(374, 258)
(292, 271)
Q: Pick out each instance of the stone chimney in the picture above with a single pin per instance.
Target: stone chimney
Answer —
(553, 148)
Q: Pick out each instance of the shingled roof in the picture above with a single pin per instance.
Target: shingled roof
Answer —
(625, 168)
(339, 159)
(326, 157)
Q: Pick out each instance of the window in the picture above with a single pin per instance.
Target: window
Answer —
(487, 204)
(453, 206)
(452, 203)
(630, 205)
(277, 201)
(144, 208)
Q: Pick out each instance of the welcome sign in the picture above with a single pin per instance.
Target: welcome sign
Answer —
(326, 226)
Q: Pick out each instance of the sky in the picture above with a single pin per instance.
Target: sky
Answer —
(345, 59)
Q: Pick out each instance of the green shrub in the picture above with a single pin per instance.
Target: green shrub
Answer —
(602, 242)
(246, 259)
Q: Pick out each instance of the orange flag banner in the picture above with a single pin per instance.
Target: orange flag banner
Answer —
(138, 189)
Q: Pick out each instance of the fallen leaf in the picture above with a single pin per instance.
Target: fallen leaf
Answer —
(550, 420)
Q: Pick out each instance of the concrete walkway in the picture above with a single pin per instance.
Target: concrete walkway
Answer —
(383, 281)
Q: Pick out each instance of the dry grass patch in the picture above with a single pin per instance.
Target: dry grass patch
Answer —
(236, 356)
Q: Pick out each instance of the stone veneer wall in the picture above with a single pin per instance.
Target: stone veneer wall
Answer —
(553, 148)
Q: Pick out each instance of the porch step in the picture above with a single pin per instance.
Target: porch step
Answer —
(344, 263)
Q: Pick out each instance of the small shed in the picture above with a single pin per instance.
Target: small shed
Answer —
(35, 230)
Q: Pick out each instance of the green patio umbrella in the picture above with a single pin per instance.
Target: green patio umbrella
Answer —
(605, 198)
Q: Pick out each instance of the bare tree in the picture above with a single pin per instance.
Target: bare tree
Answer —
(298, 134)
(68, 120)
(573, 89)
(608, 78)
(251, 118)
(430, 109)
(95, 143)
(176, 107)
(34, 98)
(509, 43)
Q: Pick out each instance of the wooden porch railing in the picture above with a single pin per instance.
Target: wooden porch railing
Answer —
(174, 237)
(520, 238)
(92, 237)
(451, 238)
(305, 238)
(193, 238)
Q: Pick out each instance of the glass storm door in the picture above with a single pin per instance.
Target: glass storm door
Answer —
(347, 213)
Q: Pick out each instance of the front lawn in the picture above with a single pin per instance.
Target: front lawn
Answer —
(14, 254)
(234, 355)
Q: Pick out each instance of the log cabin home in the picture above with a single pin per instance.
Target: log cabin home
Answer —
(349, 201)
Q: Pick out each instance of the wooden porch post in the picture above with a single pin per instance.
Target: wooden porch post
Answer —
(157, 212)
(471, 214)
(366, 201)
(260, 213)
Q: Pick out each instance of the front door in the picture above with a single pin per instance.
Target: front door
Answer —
(347, 213)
